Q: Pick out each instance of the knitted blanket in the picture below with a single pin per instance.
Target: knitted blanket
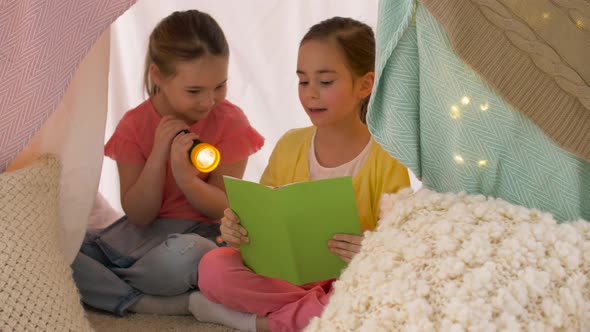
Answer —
(519, 48)
(42, 44)
(457, 262)
(438, 117)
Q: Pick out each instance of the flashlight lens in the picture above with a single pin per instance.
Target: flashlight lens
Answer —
(206, 158)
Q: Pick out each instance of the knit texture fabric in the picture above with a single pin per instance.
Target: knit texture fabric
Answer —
(438, 117)
(458, 262)
(37, 291)
(519, 48)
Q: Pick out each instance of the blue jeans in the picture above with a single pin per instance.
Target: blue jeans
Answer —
(119, 264)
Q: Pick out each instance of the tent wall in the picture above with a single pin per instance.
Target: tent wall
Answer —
(263, 37)
(75, 132)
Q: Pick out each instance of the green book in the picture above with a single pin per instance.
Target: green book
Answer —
(289, 227)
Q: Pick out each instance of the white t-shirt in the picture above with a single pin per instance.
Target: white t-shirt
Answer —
(317, 171)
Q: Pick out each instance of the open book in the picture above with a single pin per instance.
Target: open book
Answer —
(289, 227)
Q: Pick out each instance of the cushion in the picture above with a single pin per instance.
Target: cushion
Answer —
(37, 291)
(458, 262)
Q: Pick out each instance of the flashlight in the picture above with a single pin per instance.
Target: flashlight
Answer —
(204, 156)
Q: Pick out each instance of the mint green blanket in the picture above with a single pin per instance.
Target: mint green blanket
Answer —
(438, 117)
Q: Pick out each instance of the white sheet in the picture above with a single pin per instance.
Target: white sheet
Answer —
(74, 132)
(263, 37)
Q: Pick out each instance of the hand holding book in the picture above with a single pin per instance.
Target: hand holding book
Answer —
(345, 246)
(231, 231)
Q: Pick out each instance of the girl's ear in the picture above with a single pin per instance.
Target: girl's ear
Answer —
(155, 74)
(365, 85)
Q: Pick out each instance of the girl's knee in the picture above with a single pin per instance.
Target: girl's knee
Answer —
(170, 268)
(187, 247)
(180, 254)
(216, 265)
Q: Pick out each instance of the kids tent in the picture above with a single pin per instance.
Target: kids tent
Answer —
(54, 65)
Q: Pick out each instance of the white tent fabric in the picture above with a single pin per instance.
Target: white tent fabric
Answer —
(264, 39)
(74, 132)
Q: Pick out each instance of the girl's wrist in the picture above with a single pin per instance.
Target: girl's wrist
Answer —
(185, 181)
(155, 162)
(158, 157)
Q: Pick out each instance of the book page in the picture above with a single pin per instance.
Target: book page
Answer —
(260, 213)
(321, 209)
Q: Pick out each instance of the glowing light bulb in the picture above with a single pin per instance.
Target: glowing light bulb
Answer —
(465, 100)
(546, 15)
(459, 159)
(482, 163)
(455, 112)
(205, 157)
(579, 24)
(484, 107)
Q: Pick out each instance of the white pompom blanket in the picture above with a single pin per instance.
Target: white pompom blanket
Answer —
(457, 262)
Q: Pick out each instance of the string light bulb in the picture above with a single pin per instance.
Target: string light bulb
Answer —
(459, 159)
(455, 112)
(546, 15)
(484, 107)
(579, 23)
(482, 163)
(465, 100)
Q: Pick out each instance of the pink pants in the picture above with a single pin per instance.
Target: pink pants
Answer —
(224, 279)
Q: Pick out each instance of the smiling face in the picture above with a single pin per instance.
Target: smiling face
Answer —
(194, 90)
(327, 88)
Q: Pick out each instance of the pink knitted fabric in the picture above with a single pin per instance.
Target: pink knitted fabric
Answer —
(41, 45)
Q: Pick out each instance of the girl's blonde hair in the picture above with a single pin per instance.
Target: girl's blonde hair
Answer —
(357, 42)
(182, 36)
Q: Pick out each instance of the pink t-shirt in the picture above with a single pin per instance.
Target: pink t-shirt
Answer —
(226, 127)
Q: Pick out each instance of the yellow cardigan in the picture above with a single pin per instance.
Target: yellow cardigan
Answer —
(381, 173)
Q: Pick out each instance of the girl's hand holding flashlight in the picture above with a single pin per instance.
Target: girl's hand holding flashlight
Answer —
(182, 169)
